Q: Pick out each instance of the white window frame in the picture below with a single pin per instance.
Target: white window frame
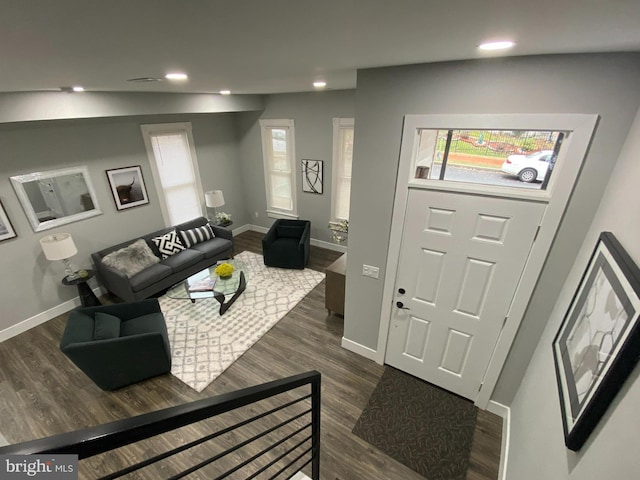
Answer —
(265, 127)
(167, 128)
(336, 164)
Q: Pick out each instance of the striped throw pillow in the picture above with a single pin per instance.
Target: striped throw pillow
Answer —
(196, 235)
(168, 244)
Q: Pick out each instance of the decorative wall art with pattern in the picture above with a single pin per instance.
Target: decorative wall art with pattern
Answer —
(312, 171)
(598, 343)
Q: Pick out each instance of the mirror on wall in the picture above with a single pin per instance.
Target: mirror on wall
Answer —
(56, 197)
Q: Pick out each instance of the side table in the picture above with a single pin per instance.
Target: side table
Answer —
(87, 297)
(334, 286)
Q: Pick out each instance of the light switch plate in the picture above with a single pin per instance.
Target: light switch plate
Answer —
(370, 271)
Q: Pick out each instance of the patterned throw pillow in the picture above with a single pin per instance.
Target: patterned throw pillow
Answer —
(168, 244)
(131, 259)
(196, 235)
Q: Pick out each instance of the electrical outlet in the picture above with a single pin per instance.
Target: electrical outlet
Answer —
(369, 271)
(256, 214)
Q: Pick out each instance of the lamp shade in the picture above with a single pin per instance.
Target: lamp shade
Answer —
(214, 198)
(58, 246)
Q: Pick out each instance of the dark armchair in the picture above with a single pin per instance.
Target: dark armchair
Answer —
(120, 344)
(286, 244)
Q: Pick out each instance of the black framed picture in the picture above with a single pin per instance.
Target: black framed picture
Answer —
(127, 187)
(6, 229)
(598, 343)
(312, 172)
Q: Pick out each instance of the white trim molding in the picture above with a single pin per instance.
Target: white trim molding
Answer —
(43, 317)
(504, 412)
(361, 350)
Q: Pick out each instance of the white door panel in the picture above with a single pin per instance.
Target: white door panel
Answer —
(461, 259)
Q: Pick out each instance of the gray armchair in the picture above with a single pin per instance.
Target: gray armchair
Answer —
(120, 344)
(286, 244)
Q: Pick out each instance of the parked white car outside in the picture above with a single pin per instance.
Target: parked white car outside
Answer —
(528, 167)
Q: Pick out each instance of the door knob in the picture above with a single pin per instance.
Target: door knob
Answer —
(401, 291)
(401, 305)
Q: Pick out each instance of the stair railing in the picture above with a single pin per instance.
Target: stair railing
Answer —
(104, 438)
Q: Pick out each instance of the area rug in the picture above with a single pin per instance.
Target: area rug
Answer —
(204, 343)
(422, 426)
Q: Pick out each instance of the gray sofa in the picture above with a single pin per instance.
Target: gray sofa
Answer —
(167, 272)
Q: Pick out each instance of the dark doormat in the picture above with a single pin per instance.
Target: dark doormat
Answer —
(420, 425)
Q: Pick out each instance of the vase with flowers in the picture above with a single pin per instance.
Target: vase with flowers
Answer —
(224, 270)
(339, 230)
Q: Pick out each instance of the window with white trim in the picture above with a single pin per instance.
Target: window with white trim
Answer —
(278, 151)
(174, 166)
(341, 167)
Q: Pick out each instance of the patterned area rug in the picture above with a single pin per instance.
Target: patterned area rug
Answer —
(422, 426)
(204, 344)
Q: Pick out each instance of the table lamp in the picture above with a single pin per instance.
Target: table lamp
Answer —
(60, 246)
(214, 199)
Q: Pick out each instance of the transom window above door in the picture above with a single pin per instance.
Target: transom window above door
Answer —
(508, 158)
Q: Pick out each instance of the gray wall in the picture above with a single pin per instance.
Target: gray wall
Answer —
(30, 284)
(536, 422)
(603, 84)
(313, 115)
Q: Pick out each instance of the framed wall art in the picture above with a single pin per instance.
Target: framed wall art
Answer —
(598, 343)
(312, 171)
(6, 229)
(127, 187)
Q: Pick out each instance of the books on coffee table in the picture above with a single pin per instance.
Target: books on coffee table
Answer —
(204, 285)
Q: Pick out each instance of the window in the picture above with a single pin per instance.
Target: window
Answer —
(174, 166)
(341, 166)
(510, 158)
(278, 151)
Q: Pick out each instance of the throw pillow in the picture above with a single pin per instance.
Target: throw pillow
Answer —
(196, 235)
(168, 244)
(131, 259)
(106, 326)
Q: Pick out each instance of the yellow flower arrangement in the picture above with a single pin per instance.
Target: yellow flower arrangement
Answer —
(224, 270)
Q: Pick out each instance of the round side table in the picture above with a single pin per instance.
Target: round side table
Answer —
(87, 297)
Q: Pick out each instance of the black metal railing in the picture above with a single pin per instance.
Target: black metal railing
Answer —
(288, 434)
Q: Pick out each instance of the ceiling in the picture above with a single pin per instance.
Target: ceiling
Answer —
(274, 46)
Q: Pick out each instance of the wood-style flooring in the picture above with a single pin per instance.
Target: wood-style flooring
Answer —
(42, 393)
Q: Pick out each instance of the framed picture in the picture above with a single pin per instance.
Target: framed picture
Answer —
(598, 343)
(127, 187)
(312, 171)
(6, 229)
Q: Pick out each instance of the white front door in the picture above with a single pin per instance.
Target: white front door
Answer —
(461, 259)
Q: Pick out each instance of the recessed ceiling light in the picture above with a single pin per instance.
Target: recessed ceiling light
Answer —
(320, 84)
(225, 92)
(78, 88)
(496, 45)
(176, 76)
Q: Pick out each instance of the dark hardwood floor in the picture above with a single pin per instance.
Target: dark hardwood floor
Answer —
(42, 393)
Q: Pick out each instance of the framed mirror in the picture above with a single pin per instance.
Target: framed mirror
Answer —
(56, 197)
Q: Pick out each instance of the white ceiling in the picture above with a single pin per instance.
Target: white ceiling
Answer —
(272, 46)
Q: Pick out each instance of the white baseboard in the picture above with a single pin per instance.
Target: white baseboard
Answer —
(43, 317)
(504, 412)
(361, 350)
(328, 245)
(247, 227)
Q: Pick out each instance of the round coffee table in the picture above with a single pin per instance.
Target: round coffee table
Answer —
(206, 284)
